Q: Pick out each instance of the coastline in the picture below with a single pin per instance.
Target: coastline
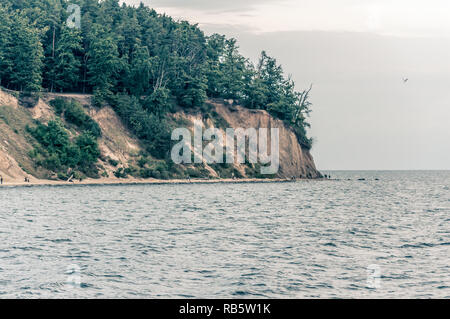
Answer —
(136, 181)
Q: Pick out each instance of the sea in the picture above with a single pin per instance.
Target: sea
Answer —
(361, 234)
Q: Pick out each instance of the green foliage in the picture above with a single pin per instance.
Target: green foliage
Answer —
(140, 70)
(198, 172)
(21, 53)
(59, 105)
(120, 173)
(193, 92)
(57, 152)
(158, 103)
(103, 63)
(270, 90)
(65, 63)
(254, 171)
(5, 60)
(113, 162)
(75, 114)
(153, 130)
(141, 62)
(228, 69)
(89, 150)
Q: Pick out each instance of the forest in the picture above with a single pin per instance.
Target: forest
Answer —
(144, 64)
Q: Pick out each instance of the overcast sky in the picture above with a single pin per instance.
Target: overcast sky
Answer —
(356, 53)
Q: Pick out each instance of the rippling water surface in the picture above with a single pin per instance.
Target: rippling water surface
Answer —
(346, 239)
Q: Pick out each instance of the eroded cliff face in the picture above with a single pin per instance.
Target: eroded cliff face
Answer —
(116, 143)
(119, 145)
(295, 161)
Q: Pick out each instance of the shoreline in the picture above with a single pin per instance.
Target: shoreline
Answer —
(118, 182)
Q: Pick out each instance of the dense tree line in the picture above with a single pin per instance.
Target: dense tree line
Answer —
(141, 62)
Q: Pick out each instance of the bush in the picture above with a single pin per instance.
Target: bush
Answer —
(145, 173)
(113, 162)
(150, 128)
(56, 152)
(120, 173)
(76, 115)
(59, 105)
(89, 150)
(161, 167)
(131, 170)
(198, 172)
(156, 174)
(165, 175)
(142, 162)
(158, 103)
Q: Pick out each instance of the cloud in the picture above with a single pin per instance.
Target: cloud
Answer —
(387, 17)
(205, 5)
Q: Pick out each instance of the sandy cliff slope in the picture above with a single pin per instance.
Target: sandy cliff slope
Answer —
(295, 160)
(119, 144)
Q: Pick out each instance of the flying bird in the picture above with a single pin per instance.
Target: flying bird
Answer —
(405, 80)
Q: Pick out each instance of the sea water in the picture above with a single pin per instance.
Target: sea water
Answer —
(387, 236)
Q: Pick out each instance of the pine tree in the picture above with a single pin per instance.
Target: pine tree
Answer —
(233, 70)
(65, 73)
(4, 41)
(25, 55)
(103, 63)
(139, 71)
(122, 49)
(227, 70)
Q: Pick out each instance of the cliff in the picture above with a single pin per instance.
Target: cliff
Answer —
(121, 149)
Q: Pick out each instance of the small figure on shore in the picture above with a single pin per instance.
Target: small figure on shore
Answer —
(1, 180)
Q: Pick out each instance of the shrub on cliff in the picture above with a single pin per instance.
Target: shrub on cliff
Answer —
(149, 127)
(75, 114)
(55, 150)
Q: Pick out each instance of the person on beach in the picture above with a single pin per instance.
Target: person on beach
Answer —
(1, 180)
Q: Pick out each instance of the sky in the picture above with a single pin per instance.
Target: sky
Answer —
(356, 54)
